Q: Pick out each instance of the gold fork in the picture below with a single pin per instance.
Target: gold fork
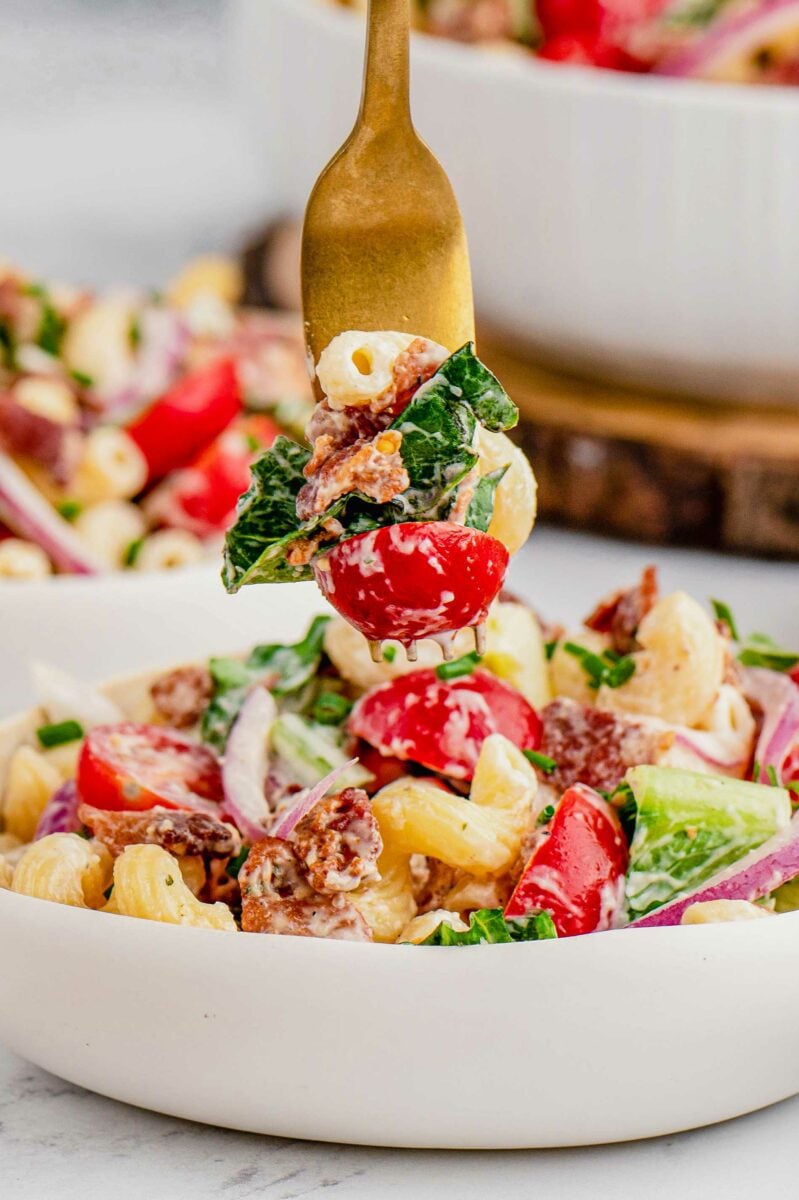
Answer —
(383, 243)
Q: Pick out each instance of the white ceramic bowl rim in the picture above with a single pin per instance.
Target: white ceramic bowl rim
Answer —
(532, 72)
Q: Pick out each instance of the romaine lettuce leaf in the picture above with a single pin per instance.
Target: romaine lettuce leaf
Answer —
(489, 926)
(690, 825)
(285, 669)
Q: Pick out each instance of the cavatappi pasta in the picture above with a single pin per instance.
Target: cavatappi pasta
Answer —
(544, 788)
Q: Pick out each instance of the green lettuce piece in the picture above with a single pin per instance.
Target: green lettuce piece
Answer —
(481, 505)
(471, 381)
(310, 750)
(286, 670)
(488, 926)
(690, 825)
(786, 898)
(438, 451)
(266, 520)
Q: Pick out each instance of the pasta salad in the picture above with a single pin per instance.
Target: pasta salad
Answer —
(732, 41)
(638, 770)
(128, 422)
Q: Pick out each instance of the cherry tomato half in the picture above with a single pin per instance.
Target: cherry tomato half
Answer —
(575, 871)
(202, 496)
(188, 417)
(131, 767)
(413, 580)
(442, 724)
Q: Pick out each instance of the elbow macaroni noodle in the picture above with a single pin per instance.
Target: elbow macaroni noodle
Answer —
(167, 549)
(148, 883)
(112, 467)
(109, 528)
(66, 869)
(481, 836)
(30, 782)
(358, 367)
(23, 560)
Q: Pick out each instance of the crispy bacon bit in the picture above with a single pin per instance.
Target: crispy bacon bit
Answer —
(342, 426)
(339, 842)
(412, 368)
(277, 898)
(182, 695)
(374, 468)
(463, 498)
(219, 885)
(333, 917)
(181, 833)
(622, 613)
(594, 747)
(431, 880)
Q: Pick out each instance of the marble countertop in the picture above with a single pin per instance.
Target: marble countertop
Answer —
(58, 1142)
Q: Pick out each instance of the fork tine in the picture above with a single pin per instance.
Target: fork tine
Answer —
(376, 651)
(479, 638)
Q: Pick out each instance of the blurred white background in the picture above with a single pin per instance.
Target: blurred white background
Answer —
(121, 153)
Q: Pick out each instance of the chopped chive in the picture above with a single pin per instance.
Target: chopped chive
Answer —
(759, 650)
(132, 552)
(253, 445)
(51, 331)
(85, 381)
(542, 761)
(771, 775)
(550, 648)
(389, 654)
(724, 614)
(331, 708)
(755, 771)
(546, 815)
(237, 862)
(607, 668)
(620, 672)
(460, 666)
(169, 881)
(59, 734)
(70, 509)
(134, 333)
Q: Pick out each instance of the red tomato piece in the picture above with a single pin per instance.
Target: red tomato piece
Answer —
(442, 724)
(187, 418)
(577, 868)
(413, 580)
(130, 766)
(202, 497)
(384, 768)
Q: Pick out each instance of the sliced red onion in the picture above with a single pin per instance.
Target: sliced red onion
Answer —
(25, 510)
(700, 743)
(757, 874)
(66, 699)
(307, 800)
(246, 762)
(736, 36)
(60, 813)
(778, 697)
(164, 340)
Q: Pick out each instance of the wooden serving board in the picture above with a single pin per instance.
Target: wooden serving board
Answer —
(653, 467)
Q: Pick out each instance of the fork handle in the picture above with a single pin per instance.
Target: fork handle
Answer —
(385, 100)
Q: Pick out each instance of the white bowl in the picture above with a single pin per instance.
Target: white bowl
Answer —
(639, 228)
(594, 1039)
(602, 1038)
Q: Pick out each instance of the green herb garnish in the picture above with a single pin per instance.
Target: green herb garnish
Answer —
(550, 648)
(237, 862)
(51, 330)
(724, 614)
(542, 761)
(459, 667)
(759, 650)
(389, 653)
(331, 708)
(59, 734)
(85, 381)
(70, 510)
(608, 668)
(546, 815)
(132, 552)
